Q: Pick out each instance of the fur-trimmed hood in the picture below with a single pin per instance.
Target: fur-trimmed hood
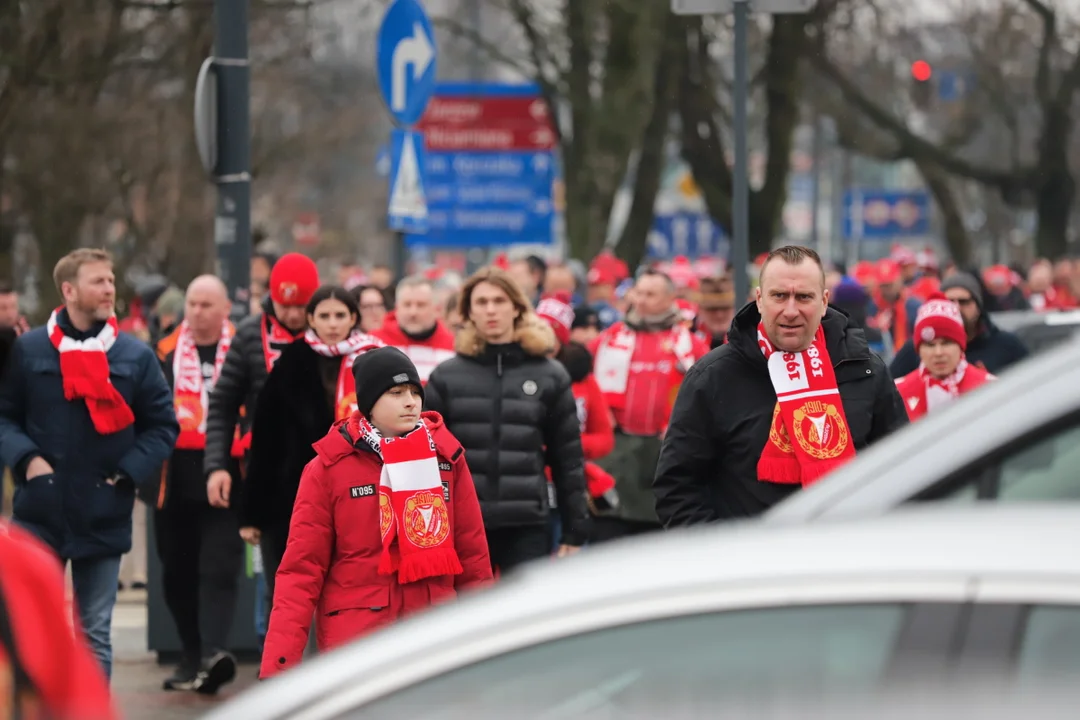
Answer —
(533, 335)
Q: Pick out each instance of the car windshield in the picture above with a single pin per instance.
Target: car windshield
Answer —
(703, 661)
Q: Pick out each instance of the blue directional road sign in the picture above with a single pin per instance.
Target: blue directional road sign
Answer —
(485, 199)
(408, 205)
(485, 194)
(886, 214)
(691, 234)
(406, 61)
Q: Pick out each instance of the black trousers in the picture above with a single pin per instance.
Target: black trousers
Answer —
(606, 529)
(201, 556)
(513, 546)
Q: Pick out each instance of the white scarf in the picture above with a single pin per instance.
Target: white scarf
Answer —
(616, 352)
(191, 398)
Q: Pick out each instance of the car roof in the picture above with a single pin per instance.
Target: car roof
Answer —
(897, 468)
(1008, 541)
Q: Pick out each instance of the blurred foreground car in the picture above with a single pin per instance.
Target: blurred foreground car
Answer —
(719, 618)
(1039, 331)
(1013, 440)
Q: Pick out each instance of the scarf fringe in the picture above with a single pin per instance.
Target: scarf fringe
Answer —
(429, 563)
(780, 470)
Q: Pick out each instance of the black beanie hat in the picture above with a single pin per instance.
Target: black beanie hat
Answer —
(378, 370)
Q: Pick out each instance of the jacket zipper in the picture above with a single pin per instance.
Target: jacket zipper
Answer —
(496, 434)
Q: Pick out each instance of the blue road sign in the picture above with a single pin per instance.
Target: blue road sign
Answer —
(408, 206)
(886, 214)
(953, 86)
(488, 198)
(691, 234)
(406, 60)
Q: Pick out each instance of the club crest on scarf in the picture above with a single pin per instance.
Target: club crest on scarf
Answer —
(820, 430)
(386, 515)
(427, 523)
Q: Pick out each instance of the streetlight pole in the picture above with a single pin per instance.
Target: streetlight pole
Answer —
(232, 219)
(740, 249)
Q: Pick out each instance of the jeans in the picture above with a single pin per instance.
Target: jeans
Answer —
(94, 581)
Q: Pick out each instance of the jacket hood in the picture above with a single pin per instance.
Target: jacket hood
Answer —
(336, 444)
(577, 360)
(843, 340)
(534, 336)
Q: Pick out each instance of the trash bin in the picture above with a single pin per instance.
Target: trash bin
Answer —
(161, 637)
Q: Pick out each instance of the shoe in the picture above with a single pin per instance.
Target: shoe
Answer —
(217, 671)
(183, 679)
(120, 586)
(138, 585)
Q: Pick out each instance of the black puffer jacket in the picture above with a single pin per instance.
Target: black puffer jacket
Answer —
(242, 377)
(708, 465)
(513, 411)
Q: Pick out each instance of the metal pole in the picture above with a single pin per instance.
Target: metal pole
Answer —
(401, 254)
(740, 249)
(232, 220)
(476, 65)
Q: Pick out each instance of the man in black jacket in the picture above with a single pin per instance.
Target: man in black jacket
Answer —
(258, 343)
(513, 410)
(200, 547)
(748, 431)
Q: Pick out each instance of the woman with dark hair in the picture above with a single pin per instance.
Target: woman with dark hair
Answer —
(310, 387)
(372, 304)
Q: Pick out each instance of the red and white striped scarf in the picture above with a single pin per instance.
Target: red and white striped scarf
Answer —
(809, 434)
(84, 369)
(348, 350)
(190, 397)
(412, 507)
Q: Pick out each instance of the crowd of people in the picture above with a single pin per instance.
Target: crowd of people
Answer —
(387, 446)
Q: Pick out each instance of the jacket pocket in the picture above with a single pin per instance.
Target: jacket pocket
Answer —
(39, 501)
(352, 613)
(441, 589)
(109, 506)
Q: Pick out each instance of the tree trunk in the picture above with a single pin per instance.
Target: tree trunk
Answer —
(650, 168)
(957, 239)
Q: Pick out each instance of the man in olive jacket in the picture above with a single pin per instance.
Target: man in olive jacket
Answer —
(777, 406)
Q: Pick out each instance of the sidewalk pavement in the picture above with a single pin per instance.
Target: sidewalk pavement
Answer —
(137, 677)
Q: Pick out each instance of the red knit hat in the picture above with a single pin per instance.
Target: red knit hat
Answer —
(939, 317)
(556, 310)
(293, 280)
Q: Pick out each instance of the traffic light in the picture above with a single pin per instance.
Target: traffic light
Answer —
(922, 90)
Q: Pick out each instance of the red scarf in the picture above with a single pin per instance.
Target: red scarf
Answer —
(84, 368)
(348, 349)
(412, 507)
(931, 393)
(809, 409)
(190, 397)
(275, 337)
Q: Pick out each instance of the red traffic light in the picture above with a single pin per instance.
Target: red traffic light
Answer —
(921, 70)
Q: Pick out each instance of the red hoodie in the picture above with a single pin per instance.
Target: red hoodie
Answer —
(425, 354)
(67, 680)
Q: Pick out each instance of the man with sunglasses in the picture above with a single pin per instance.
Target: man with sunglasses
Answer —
(988, 346)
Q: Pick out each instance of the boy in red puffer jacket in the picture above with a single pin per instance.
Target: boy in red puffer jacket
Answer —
(594, 415)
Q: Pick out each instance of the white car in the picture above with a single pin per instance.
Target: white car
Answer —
(720, 617)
